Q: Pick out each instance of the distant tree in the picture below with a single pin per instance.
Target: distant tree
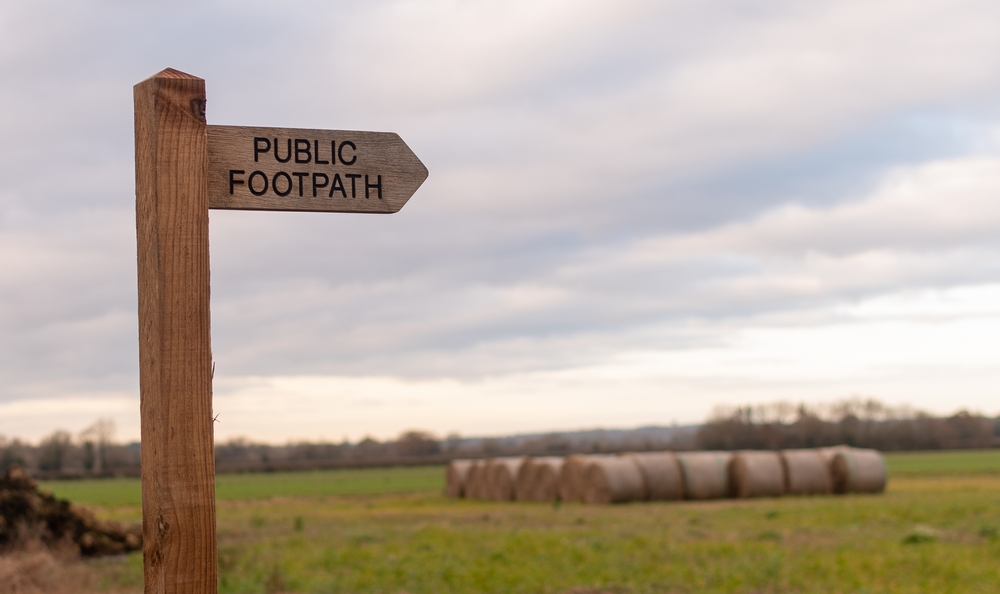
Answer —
(95, 440)
(369, 447)
(417, 443)
(452, 442)
(53, 450)
(12, 452)
(490, 447)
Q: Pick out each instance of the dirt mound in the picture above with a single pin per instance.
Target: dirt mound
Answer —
(27, 514)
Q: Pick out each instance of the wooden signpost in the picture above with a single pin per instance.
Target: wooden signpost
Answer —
(183, 167)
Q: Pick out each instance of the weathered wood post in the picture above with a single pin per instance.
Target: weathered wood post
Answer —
(183, 167)
(175, 353)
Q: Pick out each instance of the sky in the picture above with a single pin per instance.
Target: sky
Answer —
(636, 211)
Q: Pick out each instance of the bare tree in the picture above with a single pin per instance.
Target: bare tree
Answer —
(95, 441)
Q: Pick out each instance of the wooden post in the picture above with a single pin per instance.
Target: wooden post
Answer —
(175, 355)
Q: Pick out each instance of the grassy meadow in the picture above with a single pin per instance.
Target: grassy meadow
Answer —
(936, 529)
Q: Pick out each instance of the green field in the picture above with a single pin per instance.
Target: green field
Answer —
(372, 481)
(936, 529)
(229, 487)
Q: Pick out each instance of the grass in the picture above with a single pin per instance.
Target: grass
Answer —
(943, 463)
(934, 530)
(228, 487)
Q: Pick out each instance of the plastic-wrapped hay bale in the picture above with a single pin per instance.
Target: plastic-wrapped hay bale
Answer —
(706, 474)
(571, 478)
(538, 479)
(501, 476)
(455, 478)
(661, 474)
(858, 471)
(757, 474)
(806, 472)
(475, 479)
(612, 479)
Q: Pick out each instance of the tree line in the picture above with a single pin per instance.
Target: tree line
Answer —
(855, 422)
(781, 425)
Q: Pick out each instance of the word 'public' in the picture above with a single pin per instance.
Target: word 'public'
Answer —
(303, 151)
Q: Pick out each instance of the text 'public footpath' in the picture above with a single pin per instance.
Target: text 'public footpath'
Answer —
(306, 152)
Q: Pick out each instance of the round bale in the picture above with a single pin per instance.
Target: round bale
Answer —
(571, 478)
(474, 479)
(538, 479)
(612, 479)
(706, 474)
(525, 480)
(829, 453)
(661, 474)
(501, 475)
(455, 478)
(806, 473)
(757, 474)
(546, 487)
(857, 470)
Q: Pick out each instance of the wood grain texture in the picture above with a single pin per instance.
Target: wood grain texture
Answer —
(310, 170)
(175, 358)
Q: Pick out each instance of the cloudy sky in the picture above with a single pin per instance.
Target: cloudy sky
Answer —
(636, 211)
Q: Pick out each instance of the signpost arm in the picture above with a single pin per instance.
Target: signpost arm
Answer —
(175, 356)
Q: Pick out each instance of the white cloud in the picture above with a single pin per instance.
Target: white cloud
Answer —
(573, 219)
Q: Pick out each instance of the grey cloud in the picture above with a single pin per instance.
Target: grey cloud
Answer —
(567, 143)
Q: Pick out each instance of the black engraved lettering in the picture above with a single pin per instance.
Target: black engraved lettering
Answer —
(233, 182)
(354, 177)
(257, 149)
(300, 175)
(377, 184)
(317, 185)
(317, 161)
(302, 148)
(274, 183)
(289, 153)
(340, 152)
(263, 176)
(338, 184)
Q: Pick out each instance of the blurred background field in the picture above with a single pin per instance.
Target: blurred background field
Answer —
(430, 479)
(936, 529)
(319, 483)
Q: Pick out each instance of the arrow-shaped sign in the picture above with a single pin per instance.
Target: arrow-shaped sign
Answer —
(252, 168)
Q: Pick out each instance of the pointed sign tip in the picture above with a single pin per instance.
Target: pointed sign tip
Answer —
(172, 73)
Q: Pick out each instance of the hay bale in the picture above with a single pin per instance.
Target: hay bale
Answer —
(455, 476)
(857, 470)
(475, 480)
(806, 472)
(612, 479)
(661, 474)
(706, 474)
(546, 479)
(571, 477)
(538, 479)
(756, 474)
(830, 452)
(525, 479)
(501, 476)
